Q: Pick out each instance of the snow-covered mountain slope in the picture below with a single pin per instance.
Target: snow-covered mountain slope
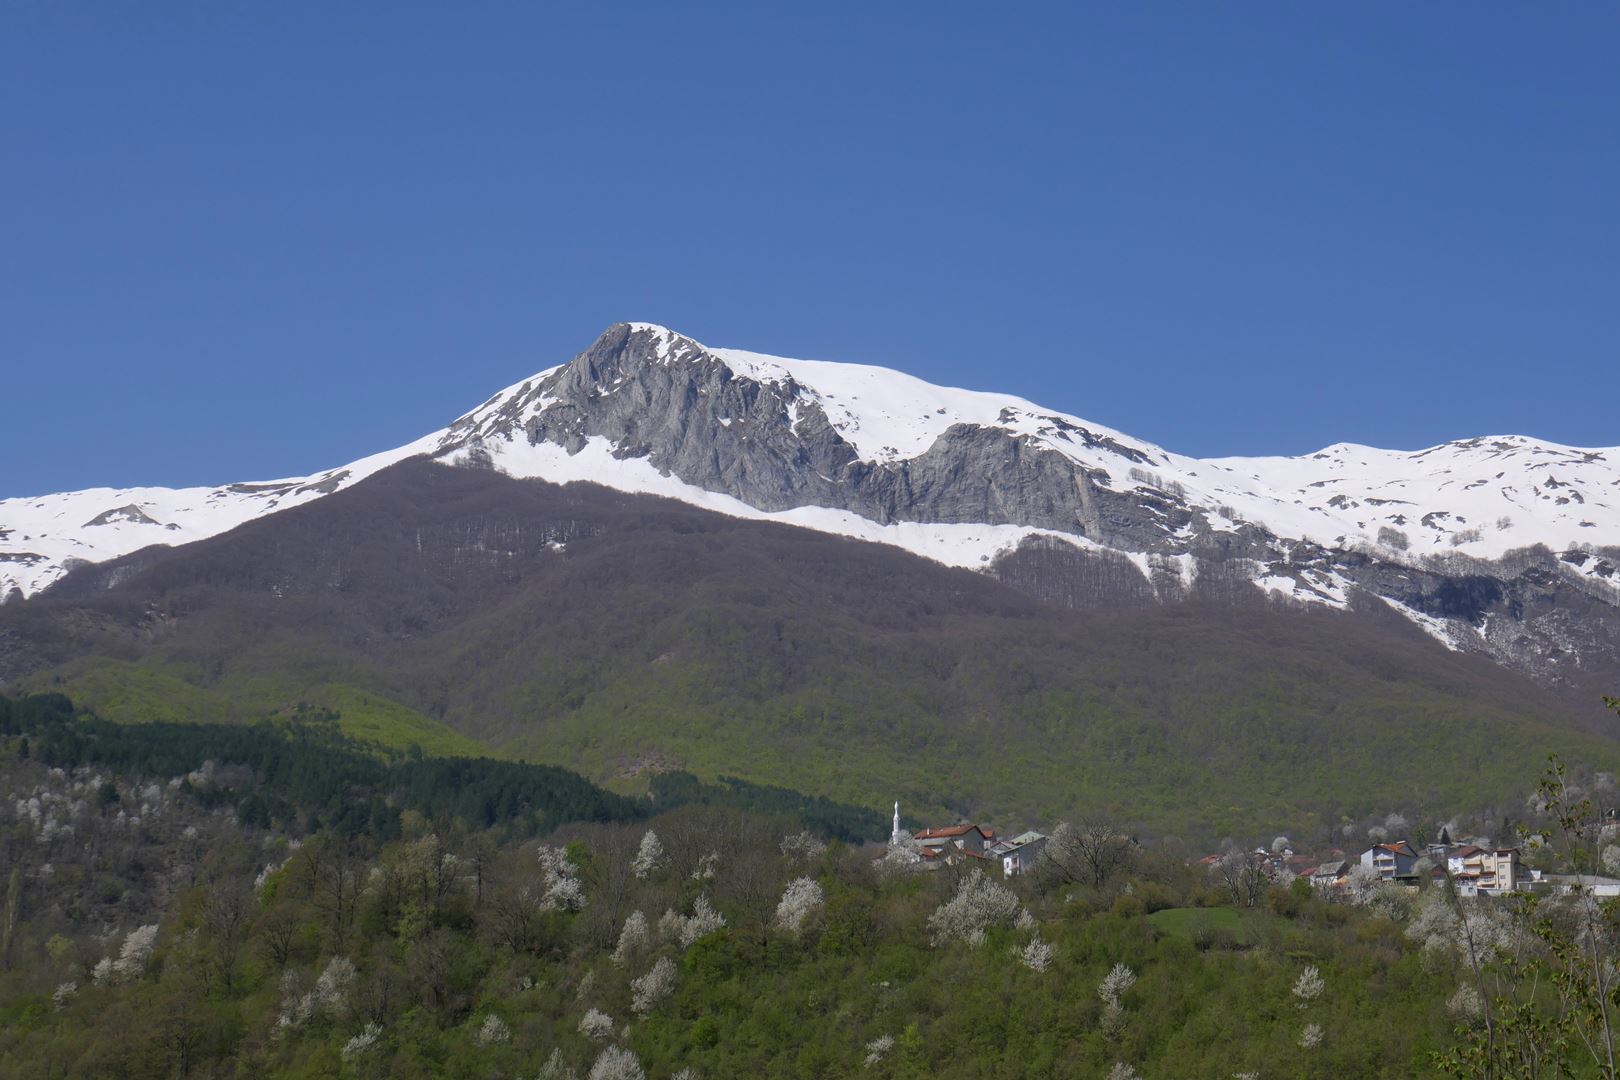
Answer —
(968, 478)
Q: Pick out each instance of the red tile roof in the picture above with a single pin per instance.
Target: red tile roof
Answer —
(951, 830)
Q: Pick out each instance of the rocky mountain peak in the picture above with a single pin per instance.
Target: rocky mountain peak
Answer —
(974, 479)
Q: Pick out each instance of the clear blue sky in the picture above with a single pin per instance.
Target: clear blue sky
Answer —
(242, 240)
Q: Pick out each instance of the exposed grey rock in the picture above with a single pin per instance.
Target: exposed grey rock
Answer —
(770, 444)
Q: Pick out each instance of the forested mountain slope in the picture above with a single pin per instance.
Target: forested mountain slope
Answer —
(617, 633)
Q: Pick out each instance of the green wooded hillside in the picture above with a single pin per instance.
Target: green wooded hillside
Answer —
(614, 633)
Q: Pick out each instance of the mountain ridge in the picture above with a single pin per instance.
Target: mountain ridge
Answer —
(972, 478)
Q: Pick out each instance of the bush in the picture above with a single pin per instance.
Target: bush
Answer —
(1129, 906)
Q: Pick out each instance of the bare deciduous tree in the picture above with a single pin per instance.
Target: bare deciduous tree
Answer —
(1091, 853)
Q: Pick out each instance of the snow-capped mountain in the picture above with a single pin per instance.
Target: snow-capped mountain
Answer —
(1504, 545)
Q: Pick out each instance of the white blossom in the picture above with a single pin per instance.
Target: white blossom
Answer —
(634, 939)
(878, 1048)
(978, 905)
(102, 973)
(617, 1063)
(1113, 986)
(64, 994)
(137, 950)
(650, 858)
(1309, 986)
(1311, 1037)
(556, 1069)
(707, 866)
(901, 857)
(802, 846)
(493, 1032)
(1435, 925)
(1466, 1004)
(688, 928)
(801, 897)
(1122, 1071)
(596, 1024)
(1037, 955)
(328, 998)
(563, 891)
(647, 992)
(363, 1042)
(1611, 858)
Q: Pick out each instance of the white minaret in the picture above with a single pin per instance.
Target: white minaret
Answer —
(894, 835)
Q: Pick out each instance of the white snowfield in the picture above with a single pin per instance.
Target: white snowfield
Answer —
(1479, 497)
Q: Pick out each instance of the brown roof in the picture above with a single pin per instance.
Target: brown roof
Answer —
(951, 830)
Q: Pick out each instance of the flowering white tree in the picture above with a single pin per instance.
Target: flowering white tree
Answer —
(493, 1032)
(650, 858)
(132, 958)
(901, 857)
(617, 1063)
(647, 992)
(362, 1043)
(1361, 881)
(686, 929)
(1037, 955)
(1119, 979)
(563, 891)
(64, 994)
(878, 1049)
(634, 940)
(1122, 1071)
(556, 1068)
(978, 905)
(707, 867)
(1467, 1004)
(328, 998)
(1309, 986)
(1112, 991)
(596, 1024)
(1311, 1037)
(802, 847)
(801, 897)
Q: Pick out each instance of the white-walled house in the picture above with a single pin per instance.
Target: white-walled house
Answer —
(1018, 855)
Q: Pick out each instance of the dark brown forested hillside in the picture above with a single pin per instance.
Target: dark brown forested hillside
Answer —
(611, 632)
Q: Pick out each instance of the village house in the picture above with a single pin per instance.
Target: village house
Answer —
(964, 837)
(1329, 876)
(1019, 855)
(1394, 862)
(950, 844)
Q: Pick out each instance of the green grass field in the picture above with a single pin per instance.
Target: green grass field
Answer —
(1193, 924)
(141, 694)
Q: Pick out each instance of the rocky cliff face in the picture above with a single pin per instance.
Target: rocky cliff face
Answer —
(764, 437)
(1492, 545)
